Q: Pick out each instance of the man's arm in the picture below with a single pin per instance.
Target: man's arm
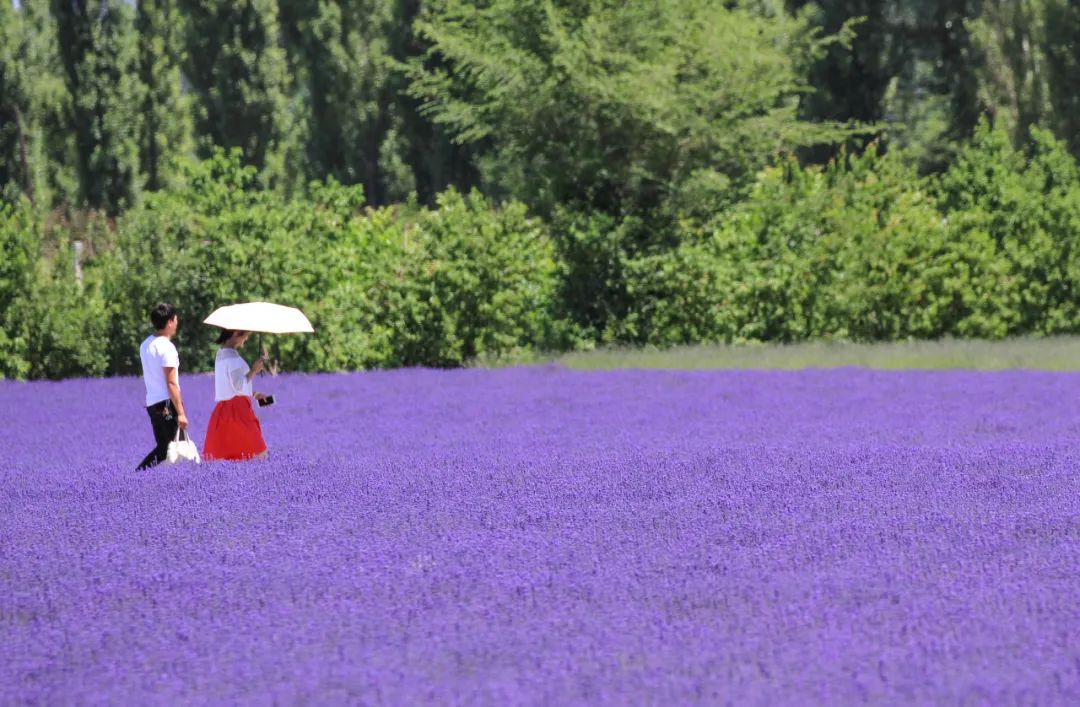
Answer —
(172, 379)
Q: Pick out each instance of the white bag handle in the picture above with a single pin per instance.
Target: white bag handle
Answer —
(174, 453)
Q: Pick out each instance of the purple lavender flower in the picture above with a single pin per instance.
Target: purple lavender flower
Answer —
(544, 536)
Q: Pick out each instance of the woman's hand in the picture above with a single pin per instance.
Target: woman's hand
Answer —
(255, 368)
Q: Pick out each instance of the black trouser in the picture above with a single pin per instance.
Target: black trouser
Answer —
(163, 420)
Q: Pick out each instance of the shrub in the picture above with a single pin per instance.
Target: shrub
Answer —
(382, 287)
(19, 230)
(51, 325)
(1027, 207)
(861, 249)
(857, 250)
(462, 280)
(217, 241)
(66, 324)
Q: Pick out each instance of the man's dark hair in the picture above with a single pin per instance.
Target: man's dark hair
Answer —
(161, 314)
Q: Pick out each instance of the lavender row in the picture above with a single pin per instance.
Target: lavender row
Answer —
(544, 536)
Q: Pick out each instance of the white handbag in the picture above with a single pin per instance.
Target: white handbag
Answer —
(184, 448)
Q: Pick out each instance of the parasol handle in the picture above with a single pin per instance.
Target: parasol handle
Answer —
(271, 364)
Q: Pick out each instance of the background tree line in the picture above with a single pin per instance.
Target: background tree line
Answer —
(624, 147)
(100, 99)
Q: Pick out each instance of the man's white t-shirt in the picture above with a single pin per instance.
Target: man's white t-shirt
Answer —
(157, 353)
(230, 375)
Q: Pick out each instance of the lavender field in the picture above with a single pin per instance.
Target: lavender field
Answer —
(542, 536)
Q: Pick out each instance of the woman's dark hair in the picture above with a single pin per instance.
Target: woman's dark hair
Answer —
(161, 314)
(227, 334)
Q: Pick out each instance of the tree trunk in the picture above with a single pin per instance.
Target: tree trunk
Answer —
(24, 161)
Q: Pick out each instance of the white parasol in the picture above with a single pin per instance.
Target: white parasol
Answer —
(263, 317)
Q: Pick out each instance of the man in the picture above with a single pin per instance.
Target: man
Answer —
(161, 364)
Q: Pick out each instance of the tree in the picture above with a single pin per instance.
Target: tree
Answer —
(436, 159)
(909, 68)
(615, 106)
(240, 82)
(98, 47)
(1063, 66)
(1030, 56)
(52, 145)
(340, 54)
(36, 147)
(851, 80)
(166, 126)
(346, 58)
(1011, 39)
(15, 174)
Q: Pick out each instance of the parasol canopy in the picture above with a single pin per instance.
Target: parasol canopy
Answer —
(263, 317)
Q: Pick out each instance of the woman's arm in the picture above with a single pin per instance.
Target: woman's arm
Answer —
(255, 368)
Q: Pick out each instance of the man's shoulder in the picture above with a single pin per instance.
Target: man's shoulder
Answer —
(161, 346)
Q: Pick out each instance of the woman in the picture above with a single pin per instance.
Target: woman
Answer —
(234, 431)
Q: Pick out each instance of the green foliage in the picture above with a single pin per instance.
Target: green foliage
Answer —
(382, 287)
(910, 68)
(593, 250)
(439, 288)
(15, 176)
(98, 45)
(66, 323)
(1063, 61)
(611, 106)
(1028, 207)
(1025, 63)
(342, 56)
(643, 113)
(490, 279)
(212, 241)
(18, 255)
(634, 159)
(862, 249)
(640, 108)
(36, 144)
(51, 325)
(166, 126)
(865, 250)
(240, 83)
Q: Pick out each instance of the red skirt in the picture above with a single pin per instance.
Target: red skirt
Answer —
(234, 431)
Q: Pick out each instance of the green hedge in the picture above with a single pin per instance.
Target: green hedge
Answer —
(383, 287)
(18, 253)
(51, 326)
(863, 249)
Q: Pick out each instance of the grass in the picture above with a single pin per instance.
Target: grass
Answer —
(1050, 354)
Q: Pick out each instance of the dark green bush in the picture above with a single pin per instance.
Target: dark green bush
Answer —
(19, 231)
(1027, 207)
(67, 325)
(384, 287)
(858, 250)
(440, 287)
(862, 249)
(51, 325)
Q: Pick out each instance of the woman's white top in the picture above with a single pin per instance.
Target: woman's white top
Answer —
(230, 375)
